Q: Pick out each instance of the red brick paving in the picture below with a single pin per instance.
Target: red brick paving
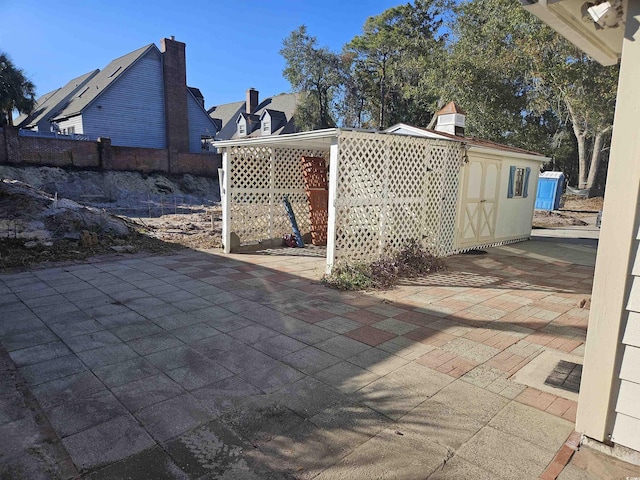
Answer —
(417, 318)
(365, 317)
(535, 398)
(313, 315)
(457, 367)
(436, 358)
(562, 458)
(558, 406)
(370, 335)
(430, 336)
(506, 361)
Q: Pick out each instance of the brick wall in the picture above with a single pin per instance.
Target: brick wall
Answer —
(145, 160)
(58, 152)
(205, 164)
(53, 152)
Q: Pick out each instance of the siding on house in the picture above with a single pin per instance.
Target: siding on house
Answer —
(73, 122)
(626, 428)
(199, 124)
(131, 110)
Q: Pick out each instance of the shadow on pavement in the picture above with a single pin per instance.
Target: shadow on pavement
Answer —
(199, 365)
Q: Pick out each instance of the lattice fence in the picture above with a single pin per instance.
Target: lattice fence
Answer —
(259, 178)
(393, 188)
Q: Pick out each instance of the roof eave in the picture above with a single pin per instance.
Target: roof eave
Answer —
(509, 153)
(564, 16)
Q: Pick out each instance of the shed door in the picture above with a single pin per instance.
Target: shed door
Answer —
(479, 202)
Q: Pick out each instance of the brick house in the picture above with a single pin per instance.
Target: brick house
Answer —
(138, 100)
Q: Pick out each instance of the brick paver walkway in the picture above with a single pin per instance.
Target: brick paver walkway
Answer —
(196, 365)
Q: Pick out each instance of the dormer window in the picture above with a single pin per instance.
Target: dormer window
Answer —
(242, 129)
(266, 126)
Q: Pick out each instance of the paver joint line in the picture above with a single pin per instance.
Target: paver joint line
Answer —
(220, 352)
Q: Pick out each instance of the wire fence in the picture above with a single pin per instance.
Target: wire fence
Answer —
(133, 204)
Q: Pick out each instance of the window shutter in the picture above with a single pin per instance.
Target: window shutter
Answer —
(525, 188)
(512, 174)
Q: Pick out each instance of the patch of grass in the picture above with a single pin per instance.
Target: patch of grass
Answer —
(409, 262)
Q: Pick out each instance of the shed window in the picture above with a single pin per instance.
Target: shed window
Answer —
(518, 182)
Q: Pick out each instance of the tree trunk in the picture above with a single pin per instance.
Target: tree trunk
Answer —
(595, 158)
(581, 137)
(382, 93)
(582, 160)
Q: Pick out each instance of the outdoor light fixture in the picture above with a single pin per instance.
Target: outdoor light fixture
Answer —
(605, 14)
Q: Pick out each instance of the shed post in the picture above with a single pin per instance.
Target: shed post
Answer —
(333, 190)
(272, 186)
(226, 201)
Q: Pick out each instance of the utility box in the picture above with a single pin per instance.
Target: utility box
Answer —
(550, 186)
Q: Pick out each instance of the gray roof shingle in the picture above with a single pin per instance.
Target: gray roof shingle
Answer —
(284, 103)
(50, 103)
(102, 81)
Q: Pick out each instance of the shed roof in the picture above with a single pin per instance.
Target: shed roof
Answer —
(451, 107)
(472, 142)
(321, 139)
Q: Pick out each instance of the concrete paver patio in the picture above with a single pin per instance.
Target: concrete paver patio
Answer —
(200, 365)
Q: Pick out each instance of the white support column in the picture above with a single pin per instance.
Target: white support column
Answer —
(616, 252)
(272, 191)
(226, 201)
(333, 190)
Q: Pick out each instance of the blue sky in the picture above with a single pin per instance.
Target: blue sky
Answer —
(231, 46)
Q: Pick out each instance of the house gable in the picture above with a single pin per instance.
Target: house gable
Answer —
(200, 124)
(130, 109)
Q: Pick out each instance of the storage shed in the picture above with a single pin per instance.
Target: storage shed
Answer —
(384, 188)
(550, 187)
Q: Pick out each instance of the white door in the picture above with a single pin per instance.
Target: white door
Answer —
(479, 202)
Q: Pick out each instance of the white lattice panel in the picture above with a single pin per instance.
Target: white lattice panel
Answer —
(259, 178)
(393, 188)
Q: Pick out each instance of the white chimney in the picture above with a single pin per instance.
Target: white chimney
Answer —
(451, 120)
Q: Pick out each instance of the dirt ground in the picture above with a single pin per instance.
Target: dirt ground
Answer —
(201, 230)
(37, 228)
(575, 211)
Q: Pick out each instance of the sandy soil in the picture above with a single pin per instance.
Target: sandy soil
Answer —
(575, 212)
(40, 237)
(195, 230)
(37, 228)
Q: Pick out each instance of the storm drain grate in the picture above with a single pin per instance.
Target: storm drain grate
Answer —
(566, 375)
